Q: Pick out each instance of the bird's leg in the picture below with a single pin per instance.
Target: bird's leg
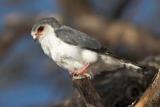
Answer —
(81, 73)
(82, 70)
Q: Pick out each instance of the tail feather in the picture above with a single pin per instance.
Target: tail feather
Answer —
(131, 66)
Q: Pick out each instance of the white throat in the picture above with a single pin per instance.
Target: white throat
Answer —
(65, 55)
(49, 43)
(56, 48)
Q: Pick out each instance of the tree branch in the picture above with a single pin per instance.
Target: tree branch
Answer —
(151, 98)
(88, 92)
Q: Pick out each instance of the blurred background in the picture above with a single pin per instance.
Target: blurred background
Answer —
(28, 78)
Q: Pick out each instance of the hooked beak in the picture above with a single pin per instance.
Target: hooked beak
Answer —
(35, 36)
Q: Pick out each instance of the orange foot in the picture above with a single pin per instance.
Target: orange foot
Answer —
(81, 73)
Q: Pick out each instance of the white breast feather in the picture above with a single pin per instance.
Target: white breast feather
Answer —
(66, 55)
(60, 51)
(89, 56)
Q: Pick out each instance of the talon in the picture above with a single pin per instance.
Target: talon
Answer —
(85, 75)
(88, 75)
(82, 70)
(81, 73)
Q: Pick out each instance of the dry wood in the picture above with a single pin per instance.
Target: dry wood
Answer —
(88, 93)
(151, 98)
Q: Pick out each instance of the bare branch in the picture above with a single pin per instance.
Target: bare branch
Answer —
(151, 98)
(88, 93)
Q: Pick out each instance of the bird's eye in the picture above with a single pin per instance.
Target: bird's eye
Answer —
(40, 29)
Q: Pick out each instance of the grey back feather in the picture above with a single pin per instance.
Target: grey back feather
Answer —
(75, 37)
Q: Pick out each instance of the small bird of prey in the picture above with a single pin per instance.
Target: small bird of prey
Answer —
(75, 51)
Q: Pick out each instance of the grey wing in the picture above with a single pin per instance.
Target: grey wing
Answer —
(75, 37)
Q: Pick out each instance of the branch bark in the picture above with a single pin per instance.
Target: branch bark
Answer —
(151, 98)
(88, 93)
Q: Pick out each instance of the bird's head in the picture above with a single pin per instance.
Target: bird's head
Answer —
(44, 27)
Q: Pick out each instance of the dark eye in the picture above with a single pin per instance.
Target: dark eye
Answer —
(40, 29)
